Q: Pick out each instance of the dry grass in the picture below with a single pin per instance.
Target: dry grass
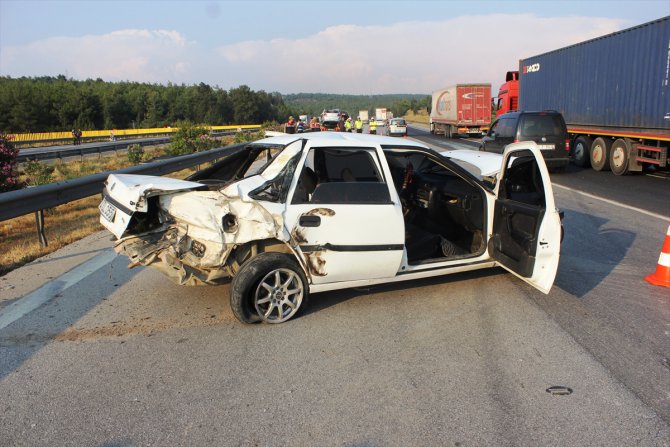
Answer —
(64, 224)
(421, 117)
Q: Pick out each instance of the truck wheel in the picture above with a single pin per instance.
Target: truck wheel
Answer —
(581, 151)
(270, 287)
(619, 157)
(600, 154)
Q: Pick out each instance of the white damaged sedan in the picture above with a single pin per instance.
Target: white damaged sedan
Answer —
(292, 215)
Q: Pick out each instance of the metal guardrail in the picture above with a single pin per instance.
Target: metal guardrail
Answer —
(57, 154)
(20, 139)
(29, 200)
(51, 153)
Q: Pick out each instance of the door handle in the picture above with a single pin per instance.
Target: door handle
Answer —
(310, 221)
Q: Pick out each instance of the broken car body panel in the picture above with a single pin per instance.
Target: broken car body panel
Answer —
(128, 193)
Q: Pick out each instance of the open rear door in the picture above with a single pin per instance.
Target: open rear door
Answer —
(526, 224)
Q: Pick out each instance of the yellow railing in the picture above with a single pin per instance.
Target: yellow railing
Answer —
(45, 136)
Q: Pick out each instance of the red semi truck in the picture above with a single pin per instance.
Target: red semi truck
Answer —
(617, 113)
(462, 109)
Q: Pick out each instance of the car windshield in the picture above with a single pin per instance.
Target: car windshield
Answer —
(262, 160)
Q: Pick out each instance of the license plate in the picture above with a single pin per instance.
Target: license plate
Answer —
(546, 147)
(107, 210)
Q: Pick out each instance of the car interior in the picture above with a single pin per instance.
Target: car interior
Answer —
(444, 213)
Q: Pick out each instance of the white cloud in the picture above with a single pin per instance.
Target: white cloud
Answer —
(406, 57)
(129, 54)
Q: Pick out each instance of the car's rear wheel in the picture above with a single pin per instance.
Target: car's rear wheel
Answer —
(600, 154)
(581, 151)
(619, 157)
(270, 287)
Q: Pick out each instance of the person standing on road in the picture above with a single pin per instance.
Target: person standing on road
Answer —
(74, 136)
(358, 125)
(373, 127)
(290, 125)
(340, 125)
(347, 125)
(314, 125)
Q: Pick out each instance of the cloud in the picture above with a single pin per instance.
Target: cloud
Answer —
(405, 57)
(129, 54)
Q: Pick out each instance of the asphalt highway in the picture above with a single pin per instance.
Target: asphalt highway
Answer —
(92, 353)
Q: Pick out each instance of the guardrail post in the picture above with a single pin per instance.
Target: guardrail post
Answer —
(39, 220)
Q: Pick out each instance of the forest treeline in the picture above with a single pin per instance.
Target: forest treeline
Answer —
(44, 104)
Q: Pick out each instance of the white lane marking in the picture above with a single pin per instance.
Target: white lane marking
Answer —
(40, 296)
(612, 202)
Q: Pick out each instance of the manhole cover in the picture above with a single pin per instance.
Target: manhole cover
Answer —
(559, 390)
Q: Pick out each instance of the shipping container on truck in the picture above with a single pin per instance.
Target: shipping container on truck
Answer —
(363, 114)
(614, 93)
(462, 109)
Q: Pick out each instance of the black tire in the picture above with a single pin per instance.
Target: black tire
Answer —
(600, 154)
(619, 157)
(246, 300)
(581, 151)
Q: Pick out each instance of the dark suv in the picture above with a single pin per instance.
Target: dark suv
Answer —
(546, 128)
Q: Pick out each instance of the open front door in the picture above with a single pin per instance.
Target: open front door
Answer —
(526, 224)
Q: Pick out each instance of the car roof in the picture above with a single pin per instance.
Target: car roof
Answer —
(529, 112)
(335, 138)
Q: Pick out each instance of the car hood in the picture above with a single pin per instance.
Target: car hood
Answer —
(480, 164)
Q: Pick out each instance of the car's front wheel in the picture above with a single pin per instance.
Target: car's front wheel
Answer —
(270, 286)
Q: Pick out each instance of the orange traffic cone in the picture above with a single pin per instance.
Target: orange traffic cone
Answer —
(661, 277)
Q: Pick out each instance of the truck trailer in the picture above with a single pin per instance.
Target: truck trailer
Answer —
(363, 115)
(613, 92)
(462, 109)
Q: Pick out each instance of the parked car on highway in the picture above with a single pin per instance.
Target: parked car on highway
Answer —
(292, 215)
(380, 122)
(397, 126)
(546, 128)
(330, 117)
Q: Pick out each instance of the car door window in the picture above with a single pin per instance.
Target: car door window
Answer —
(494, 129)
(341, 176)
(523, 182)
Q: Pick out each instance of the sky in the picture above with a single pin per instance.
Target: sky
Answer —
(348, 47)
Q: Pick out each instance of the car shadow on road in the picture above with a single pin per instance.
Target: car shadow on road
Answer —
(26, 336)
(590, 252)
(324, 300)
